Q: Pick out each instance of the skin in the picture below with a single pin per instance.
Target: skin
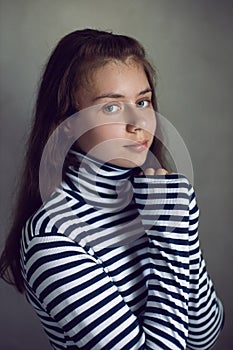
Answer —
(118, 114)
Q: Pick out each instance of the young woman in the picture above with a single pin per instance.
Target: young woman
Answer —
(106, 248)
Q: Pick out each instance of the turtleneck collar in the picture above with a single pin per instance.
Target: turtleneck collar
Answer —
(102, 185)
(101, 168)
(102, 203)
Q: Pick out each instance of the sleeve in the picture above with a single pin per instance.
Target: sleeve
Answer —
(73, 288)
(182, 308)
(206, 316)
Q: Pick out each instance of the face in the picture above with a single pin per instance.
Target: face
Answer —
(117, 111)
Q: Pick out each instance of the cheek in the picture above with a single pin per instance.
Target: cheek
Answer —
(151, 129)
(100, 134)
(154, 123)
(109, 132)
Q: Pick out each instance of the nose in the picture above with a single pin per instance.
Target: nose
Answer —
(133, 128)
(136, 120)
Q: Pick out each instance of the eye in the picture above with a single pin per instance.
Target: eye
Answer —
(111, 108)
(144, 103)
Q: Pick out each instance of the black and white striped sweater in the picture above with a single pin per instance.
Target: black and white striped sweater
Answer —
(112, 261)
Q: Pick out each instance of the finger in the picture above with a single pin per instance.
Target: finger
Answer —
(161, 171)
(149, 171)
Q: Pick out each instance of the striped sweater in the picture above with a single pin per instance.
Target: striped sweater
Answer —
(112, 261)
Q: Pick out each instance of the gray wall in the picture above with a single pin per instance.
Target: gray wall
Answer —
(190, 42)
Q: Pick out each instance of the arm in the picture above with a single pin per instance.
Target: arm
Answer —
(76, 292)
(163, 206)
(205, 309)
(182, 307)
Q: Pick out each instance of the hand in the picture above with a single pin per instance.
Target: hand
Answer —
(151, 171)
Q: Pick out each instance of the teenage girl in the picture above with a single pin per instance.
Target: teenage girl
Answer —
(105, 246)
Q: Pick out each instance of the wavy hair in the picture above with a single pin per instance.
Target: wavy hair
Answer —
(69, 66)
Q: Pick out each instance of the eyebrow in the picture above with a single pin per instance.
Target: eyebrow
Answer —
(113, 95)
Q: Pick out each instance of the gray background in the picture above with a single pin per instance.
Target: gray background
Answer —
(190, 42)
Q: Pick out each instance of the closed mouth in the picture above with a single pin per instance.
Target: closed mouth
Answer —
(138, 146)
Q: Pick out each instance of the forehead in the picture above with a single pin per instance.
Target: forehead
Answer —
(126, 79)
(120, 76)
(116, 67)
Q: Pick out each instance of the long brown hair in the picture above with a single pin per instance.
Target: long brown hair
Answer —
(68, 66)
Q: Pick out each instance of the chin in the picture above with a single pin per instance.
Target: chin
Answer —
(127, 163)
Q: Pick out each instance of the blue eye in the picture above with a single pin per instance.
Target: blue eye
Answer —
(111, 108)
(144, 103)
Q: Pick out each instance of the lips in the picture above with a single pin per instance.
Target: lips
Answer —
(138, 146)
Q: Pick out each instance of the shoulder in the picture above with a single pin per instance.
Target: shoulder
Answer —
(51, 217)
